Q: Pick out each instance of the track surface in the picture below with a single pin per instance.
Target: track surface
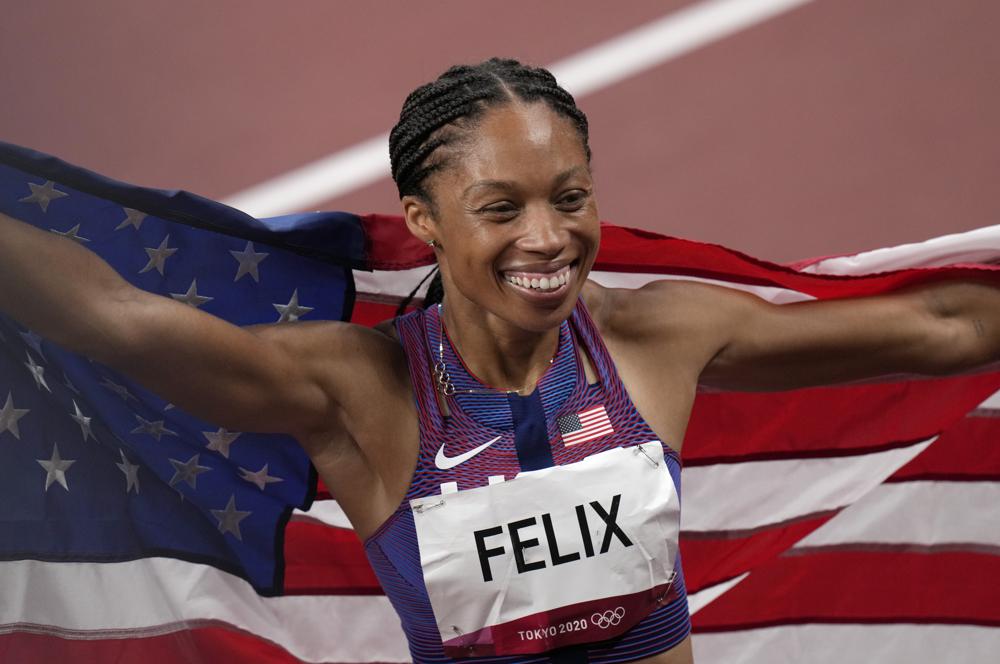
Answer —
(836, 127)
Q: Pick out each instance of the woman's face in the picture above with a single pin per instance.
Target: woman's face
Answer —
(516, 221)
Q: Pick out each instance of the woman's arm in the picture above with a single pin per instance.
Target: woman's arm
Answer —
(739, 341)
(275, 378)
(933, 330)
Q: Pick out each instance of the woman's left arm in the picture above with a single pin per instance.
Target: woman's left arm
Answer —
(936, 329)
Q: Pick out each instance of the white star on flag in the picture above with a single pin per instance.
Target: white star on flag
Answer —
(37, 372)
(191, 297)
(131, 471)
(249, 260)
(158, 256)
(187, 471)
(219, 441)
(120, 390)
(260, 478)
(84, 422)
(292, 311)
(72, 234)
(230, 517)
(154, 428)
(10, 415)
(55, 468)
(133, 218)
(43, 194)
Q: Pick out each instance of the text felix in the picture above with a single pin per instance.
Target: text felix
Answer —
(519, 541)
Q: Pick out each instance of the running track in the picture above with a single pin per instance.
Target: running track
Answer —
(837, 126)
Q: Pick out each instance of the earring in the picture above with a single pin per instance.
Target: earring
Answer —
(431, 243)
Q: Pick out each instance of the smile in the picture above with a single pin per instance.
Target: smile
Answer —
(540, 281)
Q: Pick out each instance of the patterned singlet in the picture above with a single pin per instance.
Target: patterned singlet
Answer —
(525, 433)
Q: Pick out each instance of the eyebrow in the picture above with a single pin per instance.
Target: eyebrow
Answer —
(508, 184)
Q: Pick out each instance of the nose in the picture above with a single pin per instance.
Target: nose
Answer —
(544, 231)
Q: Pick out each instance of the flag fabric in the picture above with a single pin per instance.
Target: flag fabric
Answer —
(856, 522)
(583, 426)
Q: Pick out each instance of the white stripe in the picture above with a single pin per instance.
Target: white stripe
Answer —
(662, 40)
(992, 403)
(920, 513)
(157, 595)
(981, 245)
(843, 644)
(596, 410)
(584, 435)
(699, 600)
(588, 71)
(326, 512)
(317, 181)
(399, 283)
(759, 493)
(636, 280)
(390, 283)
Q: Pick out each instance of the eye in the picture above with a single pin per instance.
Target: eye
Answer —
(502, 210)
(573, 200)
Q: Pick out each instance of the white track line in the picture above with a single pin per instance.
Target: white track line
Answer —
(587, 71)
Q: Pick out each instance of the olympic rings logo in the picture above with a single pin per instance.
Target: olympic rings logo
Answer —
(609, 618)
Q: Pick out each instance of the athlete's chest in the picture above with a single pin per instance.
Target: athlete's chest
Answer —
(461, 453)
(502, 562)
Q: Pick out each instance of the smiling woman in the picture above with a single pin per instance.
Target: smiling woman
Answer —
(499, 184)
(510, 455)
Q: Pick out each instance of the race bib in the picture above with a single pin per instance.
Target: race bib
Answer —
(555, 557)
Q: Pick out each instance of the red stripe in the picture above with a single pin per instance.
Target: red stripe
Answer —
(371, 313)
(967, 451)
(584, 435)
(208, 645)
(710, 558)
(391, 246)
(860, 587)
(323, 560)
(729, 426)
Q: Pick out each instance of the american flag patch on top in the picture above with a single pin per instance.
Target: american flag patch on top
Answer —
(585, 425)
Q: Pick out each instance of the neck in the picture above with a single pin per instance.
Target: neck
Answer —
(500, 354)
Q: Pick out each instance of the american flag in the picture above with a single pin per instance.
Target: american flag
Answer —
(583, 426)
(96, 469)
(823, 525)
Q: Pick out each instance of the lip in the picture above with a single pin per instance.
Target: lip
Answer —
(537, 268)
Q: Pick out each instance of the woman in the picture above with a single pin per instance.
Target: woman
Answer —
(575, 560)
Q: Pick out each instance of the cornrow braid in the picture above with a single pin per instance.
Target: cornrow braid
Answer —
(434, 115)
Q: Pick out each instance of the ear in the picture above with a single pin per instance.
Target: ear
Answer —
(419, 218)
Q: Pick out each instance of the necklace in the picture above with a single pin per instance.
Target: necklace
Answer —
(443, 378)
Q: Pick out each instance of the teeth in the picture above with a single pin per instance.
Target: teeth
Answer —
(543, 283)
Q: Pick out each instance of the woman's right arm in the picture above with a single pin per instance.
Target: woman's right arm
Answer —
(285, 378)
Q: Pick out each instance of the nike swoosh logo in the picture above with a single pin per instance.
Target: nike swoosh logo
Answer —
(445, 462)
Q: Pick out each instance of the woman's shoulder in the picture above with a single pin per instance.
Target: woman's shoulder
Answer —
(658, 309)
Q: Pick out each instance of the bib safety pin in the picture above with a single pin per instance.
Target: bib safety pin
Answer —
(420, 509)
(638, 449)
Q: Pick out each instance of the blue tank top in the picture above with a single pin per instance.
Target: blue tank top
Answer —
(525, 433)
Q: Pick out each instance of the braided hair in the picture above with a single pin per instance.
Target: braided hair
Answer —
(441, 113)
